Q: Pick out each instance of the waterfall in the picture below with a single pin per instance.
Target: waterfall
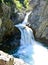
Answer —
(30, 51)
(26, 18)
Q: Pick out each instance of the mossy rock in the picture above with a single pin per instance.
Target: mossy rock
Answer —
(8, 25)
(6, 28)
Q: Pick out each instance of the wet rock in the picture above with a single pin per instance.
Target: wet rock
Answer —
(6, 59)
(39, 20)
(17, 17)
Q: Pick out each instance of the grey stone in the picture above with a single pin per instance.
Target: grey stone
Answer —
(39, 20)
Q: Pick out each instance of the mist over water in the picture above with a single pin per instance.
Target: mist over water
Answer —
(30, 51)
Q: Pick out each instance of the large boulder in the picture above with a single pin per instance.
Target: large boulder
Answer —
(6, 59)
(9, 34)
(39, 20)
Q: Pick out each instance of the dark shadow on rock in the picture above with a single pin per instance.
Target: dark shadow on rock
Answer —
(11, 42)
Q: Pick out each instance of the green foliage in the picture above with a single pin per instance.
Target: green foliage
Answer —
(18, 4)
(22, 4)
(26, 3)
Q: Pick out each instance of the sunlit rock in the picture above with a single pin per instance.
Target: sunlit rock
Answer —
(6, 59)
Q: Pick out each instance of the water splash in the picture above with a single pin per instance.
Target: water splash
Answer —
(31, 51)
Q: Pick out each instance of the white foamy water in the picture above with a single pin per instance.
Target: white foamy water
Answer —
(31, 51)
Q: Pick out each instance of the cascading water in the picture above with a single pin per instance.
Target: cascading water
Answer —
(25, 51)
(30, 51)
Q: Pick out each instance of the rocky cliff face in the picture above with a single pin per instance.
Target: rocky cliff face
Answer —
(39, 20)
